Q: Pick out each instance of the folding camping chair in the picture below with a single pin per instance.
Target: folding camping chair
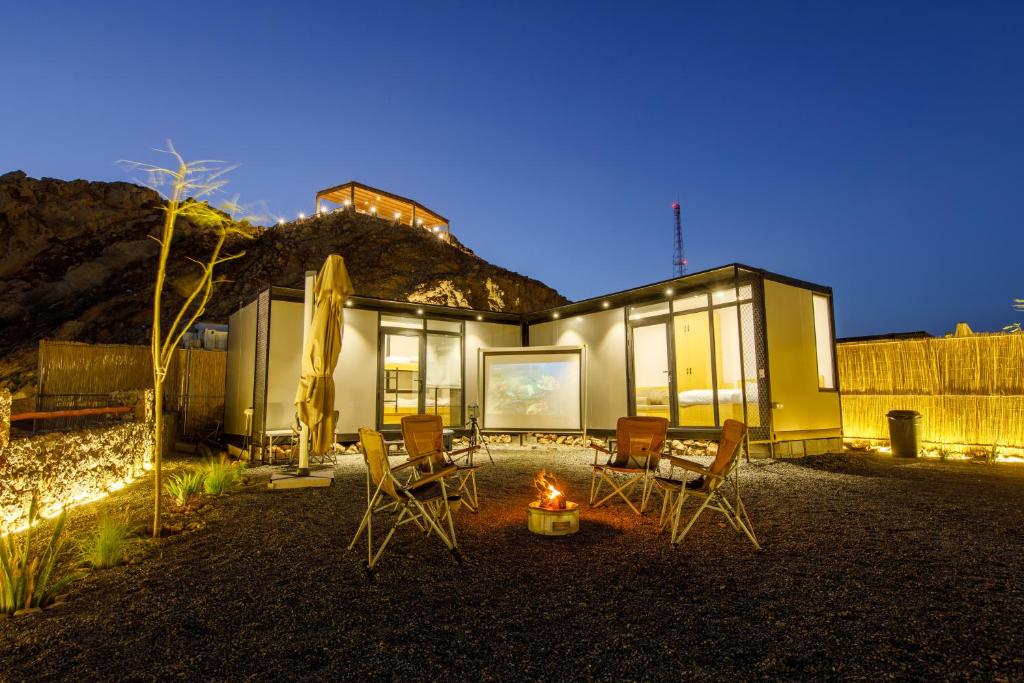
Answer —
(638, 444)
(424, 438)
(720, 481)
(423, 501)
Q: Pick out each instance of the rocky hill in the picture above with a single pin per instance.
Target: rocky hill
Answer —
(76, 262)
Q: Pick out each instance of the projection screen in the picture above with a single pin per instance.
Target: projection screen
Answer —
(532, 389)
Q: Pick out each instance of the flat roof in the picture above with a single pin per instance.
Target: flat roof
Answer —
(388, 205)
(729, 274)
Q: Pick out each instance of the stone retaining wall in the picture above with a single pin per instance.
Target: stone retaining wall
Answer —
(65, 468)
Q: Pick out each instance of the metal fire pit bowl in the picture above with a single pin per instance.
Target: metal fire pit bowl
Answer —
(548, 522)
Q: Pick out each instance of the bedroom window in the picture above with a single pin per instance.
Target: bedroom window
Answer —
(823, 343)
(420, 370)
(698, 365)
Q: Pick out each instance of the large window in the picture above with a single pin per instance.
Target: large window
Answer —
(420, 369)
(694, 359)
(823, 342)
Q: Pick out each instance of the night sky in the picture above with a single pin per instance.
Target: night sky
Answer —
(875, 148)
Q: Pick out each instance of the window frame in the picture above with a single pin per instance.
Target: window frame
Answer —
(830, 319)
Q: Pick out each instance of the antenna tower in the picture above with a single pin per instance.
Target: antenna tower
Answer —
(678, 255)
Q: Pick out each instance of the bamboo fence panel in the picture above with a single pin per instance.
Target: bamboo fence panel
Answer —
(970, 390)
(194, 384)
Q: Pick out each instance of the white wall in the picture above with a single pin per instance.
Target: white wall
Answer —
(285, 363)
(355, 378)
(484, 335)
(239, 374)
(604, 335)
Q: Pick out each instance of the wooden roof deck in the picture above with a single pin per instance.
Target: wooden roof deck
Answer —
(387, 205)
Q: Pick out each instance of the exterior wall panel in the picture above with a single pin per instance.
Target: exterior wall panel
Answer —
(805, 410)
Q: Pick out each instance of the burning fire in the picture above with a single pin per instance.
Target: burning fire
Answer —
(549, 491)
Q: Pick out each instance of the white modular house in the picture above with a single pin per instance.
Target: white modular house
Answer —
(732, 342)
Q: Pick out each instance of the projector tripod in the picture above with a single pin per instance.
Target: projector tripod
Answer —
(477, 439)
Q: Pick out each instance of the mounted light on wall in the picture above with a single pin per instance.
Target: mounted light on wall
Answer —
(605, 304)
(669, 291)
(479, 317)
(419, 311)
(554, 315)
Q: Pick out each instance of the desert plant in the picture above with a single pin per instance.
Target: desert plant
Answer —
(220, 474)
(106, 546)
(182, 487)
(28, 580)
(186, 183)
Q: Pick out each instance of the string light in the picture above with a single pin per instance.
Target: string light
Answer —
(301, 215)
(280, 221)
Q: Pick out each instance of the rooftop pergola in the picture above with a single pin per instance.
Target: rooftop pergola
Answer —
(387, 205)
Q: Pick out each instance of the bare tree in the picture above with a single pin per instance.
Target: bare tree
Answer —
(182, 186)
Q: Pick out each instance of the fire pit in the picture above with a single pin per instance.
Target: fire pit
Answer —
(551, 514)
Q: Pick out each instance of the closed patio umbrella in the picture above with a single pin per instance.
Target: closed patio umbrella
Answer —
(314, 399)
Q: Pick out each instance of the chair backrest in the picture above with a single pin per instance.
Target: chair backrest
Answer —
(728, 446)
(375, 450)
(424, 434)
(638, 437)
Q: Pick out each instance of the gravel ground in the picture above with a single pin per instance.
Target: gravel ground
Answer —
(871, 568)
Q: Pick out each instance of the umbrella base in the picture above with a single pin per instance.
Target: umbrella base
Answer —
(317, 478)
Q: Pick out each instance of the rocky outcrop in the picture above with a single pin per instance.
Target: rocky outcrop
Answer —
(76, 263)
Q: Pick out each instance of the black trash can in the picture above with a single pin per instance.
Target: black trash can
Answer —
(904, 432)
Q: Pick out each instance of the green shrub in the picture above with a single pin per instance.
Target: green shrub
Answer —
(220, 474)
(105, 548)
(182, 487)
(28, 580)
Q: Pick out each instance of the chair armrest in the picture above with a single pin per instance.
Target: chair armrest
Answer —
(433, 476)
(413, 461)
(690, 465)
(598, 447)
(462, 452)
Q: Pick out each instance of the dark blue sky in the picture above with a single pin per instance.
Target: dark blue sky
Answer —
(875, 148)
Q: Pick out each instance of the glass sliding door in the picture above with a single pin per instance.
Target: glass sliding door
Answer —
(444, 378)
(652, 375)
(695, 388)
(728, 366)
(420, 370)
(401, 382)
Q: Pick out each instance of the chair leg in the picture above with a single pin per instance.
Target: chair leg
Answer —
(594, 491)
(679, 539)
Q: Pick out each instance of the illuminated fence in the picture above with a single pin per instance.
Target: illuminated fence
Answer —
(76, 375)
(970, 390)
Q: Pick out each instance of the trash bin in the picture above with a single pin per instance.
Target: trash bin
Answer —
(904, 432)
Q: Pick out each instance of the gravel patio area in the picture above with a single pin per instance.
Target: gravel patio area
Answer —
(871, 568)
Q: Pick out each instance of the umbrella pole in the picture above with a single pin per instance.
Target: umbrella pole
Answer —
(307, 320)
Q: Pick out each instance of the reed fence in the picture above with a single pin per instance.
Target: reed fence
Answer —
(75, 375)
(970, 390)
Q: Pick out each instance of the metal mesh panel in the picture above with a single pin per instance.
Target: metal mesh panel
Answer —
(755, 360)
(259, 389)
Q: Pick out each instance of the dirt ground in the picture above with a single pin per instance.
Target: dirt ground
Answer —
(871, 568)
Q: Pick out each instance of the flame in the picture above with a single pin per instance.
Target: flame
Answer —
(549, 491)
